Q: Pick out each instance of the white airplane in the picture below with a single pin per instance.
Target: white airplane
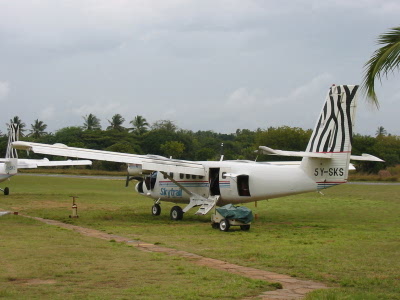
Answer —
(10, 164)
(206, 184)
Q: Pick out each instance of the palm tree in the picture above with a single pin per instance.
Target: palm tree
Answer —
(16, 120)
(381, 131)
(116, 123)
(139, 125)
(383, 61)
(38, 129)
(91, 122)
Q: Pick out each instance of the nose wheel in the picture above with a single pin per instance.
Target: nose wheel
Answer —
(6, 191)
(156, 210)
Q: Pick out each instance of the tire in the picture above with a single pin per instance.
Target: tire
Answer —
(245, 227)
(6, 191)
(156, 210)
(215, 225)
(224, 225)
(176, 213)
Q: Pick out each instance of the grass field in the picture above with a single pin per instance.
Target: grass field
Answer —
(349, 239)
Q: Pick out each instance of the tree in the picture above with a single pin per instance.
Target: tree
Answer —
(384, 60)
(21, 125)
(173, 148)
(381, 131)
(139, 125)
(91, 122)
(167, 125)
(38, 129)
(116, 123)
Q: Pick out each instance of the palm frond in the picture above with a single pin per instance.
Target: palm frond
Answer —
(383, 61)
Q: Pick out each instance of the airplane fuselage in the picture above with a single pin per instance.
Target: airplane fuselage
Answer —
(235, 182)
(4, 173)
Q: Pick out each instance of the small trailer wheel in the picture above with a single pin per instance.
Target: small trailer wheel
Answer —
(224, 225)
(214, 225)
(6, 191)
(245, 227)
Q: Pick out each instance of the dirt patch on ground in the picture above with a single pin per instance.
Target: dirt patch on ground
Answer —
(34, 281)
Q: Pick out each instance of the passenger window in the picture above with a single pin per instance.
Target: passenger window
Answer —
(171, 175)
(181, 176)
(165, 176)
(187, 176)
(201, 177)
(194, 176)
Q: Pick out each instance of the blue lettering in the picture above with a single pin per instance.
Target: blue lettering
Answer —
(171, 193)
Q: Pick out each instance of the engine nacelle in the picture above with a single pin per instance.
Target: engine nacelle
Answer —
(142, 189)
(135, 169)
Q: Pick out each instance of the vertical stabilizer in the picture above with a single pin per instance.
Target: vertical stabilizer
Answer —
(333, 135)
(13, 135)
(11, 163)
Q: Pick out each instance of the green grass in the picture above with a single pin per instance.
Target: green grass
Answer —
(39, 261)
(348, 238)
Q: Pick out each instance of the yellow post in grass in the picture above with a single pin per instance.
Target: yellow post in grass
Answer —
(74, 208)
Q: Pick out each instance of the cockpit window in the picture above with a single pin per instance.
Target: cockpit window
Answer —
(153, 179)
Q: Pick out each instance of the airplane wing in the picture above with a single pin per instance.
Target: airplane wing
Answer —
(147, 162)
(270, 151)
(34, 163)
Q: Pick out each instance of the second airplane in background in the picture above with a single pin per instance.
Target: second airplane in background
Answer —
(11, 163)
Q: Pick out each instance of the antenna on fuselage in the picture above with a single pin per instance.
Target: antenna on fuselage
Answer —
(222, 152)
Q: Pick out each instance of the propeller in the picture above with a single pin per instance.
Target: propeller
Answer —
(138, 178)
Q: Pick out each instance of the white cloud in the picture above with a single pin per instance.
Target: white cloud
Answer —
(48, 113)
(101, 109)
(4, 89)
(243, 98)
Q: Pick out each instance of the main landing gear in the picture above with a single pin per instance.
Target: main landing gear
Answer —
(6, 191)
(176, 213)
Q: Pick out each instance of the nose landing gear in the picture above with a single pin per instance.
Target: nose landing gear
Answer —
(156, 209)
(6, 191)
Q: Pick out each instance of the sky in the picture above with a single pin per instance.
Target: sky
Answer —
(204, 64)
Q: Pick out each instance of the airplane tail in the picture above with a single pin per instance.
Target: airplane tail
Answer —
(11, 163)
(13, 136)
(332, 138)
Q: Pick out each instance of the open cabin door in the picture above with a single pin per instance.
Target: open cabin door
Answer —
(214, 182)
(219, 183)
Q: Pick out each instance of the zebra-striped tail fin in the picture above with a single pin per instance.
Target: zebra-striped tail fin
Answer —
(333, 135)
(13, 136)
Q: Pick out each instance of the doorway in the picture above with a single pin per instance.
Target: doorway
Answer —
(214, 181)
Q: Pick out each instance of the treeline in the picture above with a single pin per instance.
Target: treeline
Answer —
(166, 139)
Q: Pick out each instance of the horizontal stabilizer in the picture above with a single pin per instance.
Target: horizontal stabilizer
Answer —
(270, 151)
(366, 157)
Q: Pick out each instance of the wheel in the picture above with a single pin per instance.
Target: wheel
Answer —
(176, 213)
(156, 210)
(224, 225)
(6, 191)
(215, 225)
(245, 227)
